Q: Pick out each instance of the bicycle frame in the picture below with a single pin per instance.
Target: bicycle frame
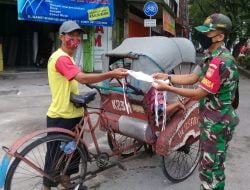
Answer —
(91, 129)
(84, 126)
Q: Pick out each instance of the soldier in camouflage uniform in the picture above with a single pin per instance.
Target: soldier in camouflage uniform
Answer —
(218, 80)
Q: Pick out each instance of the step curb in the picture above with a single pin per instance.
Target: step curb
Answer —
(244, 71)
(22, 75)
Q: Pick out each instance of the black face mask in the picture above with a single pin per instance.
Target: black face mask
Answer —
(205, 41)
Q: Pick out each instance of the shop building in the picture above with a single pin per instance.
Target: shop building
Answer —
(26, 45)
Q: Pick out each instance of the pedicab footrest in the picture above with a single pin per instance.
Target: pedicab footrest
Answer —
(82, 99)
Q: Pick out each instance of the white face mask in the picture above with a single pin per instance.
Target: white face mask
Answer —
(143, 77)
(140, 76)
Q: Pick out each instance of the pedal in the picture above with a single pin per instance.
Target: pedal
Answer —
(102, 160)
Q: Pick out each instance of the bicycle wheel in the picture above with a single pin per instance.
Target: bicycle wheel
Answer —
(180, 164)
(123, 141)
(23, 177)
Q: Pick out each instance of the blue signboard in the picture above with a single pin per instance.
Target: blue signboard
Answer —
(150, 8)
(84, 12)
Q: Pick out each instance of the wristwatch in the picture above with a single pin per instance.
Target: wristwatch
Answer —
(170, 78)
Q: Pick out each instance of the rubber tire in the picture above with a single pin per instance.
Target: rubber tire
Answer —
(174, 180)
(13, 166)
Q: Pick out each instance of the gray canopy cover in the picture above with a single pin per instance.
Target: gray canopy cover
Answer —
(151, 55)
(164, 52)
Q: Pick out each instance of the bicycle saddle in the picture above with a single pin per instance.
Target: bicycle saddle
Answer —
(82, 99)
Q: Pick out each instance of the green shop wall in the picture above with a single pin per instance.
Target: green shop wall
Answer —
(118, 31)
(88, 49)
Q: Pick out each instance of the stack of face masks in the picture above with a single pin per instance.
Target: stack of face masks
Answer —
(148, 78)
(124, 97)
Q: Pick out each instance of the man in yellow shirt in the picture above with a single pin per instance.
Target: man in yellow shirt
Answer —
(63, 77)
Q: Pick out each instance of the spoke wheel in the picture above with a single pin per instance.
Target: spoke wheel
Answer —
(180, 164)
(123, 141)
(21, 176)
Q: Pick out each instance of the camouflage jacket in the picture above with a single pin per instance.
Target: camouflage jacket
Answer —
(219, 76)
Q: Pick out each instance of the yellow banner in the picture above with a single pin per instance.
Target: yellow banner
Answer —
(99, 13)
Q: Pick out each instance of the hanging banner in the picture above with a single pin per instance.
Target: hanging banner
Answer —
(84, 12)
(168, 23)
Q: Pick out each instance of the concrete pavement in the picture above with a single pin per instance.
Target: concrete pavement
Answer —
(23, 106)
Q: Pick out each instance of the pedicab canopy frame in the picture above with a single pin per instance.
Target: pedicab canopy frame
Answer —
(150, 55)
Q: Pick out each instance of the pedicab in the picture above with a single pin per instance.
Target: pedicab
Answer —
(132, 114)
(135, 117)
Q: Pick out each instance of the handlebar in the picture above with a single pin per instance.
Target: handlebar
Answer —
(135, 90)
(108, 88)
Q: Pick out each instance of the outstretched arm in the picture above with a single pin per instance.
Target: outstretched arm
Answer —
(67, 68)
(86, 78)
(187, 79)
(195, 94)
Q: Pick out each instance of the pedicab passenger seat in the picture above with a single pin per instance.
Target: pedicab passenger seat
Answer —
(148, 55)
(82, 100)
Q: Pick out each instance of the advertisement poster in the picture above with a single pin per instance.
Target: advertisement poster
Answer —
(84, 12)
(168, 23)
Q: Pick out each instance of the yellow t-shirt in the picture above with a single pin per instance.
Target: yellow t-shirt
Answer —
(61, 87)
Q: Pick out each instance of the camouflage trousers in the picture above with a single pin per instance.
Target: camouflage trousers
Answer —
(214, 145)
